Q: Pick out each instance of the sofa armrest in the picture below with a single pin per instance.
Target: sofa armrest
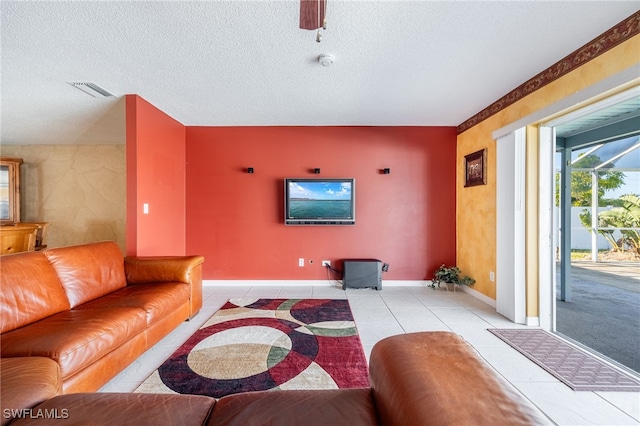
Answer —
(436, 378)
(184, 269)
(25, 383)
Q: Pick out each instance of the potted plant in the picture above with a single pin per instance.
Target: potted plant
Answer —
(451, 276)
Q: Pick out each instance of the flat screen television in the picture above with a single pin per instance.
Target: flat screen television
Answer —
(319, 201)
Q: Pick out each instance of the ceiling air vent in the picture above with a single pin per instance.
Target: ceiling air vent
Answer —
(92, 89)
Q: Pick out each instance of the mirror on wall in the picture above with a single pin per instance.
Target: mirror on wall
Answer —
(9, 190)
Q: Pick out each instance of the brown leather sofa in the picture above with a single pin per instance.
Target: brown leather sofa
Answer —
(428, 378)
(84, 313)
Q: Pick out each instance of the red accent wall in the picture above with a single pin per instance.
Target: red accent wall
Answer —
(405, 218)
(156, 175)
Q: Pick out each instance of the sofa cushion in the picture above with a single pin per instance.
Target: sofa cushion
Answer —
(123, 409)
(75, 338)
(351, 407)
(158, 300)
(29, 290)
(26, 382)
(88, 271)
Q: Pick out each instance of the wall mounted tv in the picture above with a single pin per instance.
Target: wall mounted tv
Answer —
(319, 201)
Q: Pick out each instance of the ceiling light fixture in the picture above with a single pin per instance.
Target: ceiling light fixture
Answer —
(91, 89)
(326, 59)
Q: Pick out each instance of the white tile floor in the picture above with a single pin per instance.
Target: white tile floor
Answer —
(397, 310)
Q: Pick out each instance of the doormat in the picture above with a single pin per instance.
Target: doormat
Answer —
(575, 367)
(263, 344)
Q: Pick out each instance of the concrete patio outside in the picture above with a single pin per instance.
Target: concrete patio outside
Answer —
(604, 311)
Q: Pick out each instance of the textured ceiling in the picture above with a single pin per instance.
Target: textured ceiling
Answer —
(246, 63)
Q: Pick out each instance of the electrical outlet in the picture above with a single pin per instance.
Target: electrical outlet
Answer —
(326, 263)
(492, 276)
(301, 261)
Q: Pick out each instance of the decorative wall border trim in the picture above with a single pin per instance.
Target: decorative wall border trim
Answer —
(620, 33)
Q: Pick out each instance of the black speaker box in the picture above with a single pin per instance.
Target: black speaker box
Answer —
(361, 273)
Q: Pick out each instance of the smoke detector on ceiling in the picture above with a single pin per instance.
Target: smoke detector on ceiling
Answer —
(91, 89)
(326, 59)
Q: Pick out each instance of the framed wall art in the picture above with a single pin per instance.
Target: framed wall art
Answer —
(475, 166)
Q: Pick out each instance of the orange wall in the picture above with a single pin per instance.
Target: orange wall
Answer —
(476, 215)
(235, 219)
(155, 175)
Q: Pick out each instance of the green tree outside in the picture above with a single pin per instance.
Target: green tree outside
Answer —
(626, 209)
(581, 185)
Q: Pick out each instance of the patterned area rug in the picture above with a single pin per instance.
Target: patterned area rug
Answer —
(575, 367)
(261, 344)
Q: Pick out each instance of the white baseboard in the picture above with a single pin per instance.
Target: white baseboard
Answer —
(475, 293)
(304, 283)
(405, 283)
(268, 283)
(533, 321)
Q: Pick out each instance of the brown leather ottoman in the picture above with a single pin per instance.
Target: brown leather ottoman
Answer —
(26, 382)
(436, 378)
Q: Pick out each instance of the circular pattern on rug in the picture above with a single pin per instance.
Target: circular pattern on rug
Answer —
(239, 352)
(250, 354)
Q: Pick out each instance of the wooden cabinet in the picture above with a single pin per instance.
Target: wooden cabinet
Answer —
(9, 190)
(18, 238)
(23, 236)
(41, 233)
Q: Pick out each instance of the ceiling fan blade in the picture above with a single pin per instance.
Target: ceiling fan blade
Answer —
(309, 9)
